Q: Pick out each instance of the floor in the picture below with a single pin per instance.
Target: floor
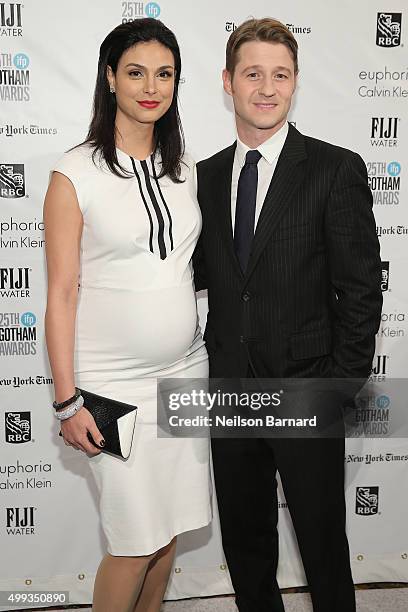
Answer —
(371, 600)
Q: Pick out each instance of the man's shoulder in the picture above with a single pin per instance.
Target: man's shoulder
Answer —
(327, 151)
(217, 160)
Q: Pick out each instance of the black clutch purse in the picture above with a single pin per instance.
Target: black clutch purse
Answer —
(115, 420)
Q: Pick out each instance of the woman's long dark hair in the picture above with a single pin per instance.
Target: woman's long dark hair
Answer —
(168, 131)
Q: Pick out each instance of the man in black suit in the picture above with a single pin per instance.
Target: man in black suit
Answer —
(290, 258)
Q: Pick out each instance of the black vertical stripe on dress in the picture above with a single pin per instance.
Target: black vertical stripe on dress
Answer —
(145, 203)
(160, 237)
(165, 206)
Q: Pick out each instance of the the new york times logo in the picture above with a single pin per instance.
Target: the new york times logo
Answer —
(12, 183)
(9, 130)
(14, 77)
(10, 19)
(385, 275)
(388, 29)
(230, 26)
(392, 230)
(367, 501)
(20, 520)
(18, 427)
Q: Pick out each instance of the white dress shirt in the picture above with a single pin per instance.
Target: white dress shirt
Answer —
(270, 151)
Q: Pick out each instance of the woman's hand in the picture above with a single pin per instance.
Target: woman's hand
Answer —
(75, 429)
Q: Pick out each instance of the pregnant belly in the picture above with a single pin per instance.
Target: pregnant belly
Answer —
(124, 329)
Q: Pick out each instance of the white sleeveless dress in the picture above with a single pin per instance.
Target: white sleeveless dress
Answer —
(137, 321)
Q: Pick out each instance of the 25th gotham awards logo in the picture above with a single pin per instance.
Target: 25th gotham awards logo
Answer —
(11, 19)
(136, 10)
(384, 180)
(388, 30)
(17, 427)
(12, 183)
(18, 334)
(367, 501)
(20, 520)
(14, 77)
(372, 415)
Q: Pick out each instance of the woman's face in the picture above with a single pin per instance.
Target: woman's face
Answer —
(144, 82)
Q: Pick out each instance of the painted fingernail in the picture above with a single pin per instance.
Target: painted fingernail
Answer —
(102, 443)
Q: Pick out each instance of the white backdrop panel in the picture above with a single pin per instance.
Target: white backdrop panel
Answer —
(349, 89)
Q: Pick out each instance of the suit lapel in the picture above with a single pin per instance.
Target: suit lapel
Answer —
(222, 186)
(288, 175)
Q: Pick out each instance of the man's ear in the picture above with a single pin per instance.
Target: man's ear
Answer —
(227, 81)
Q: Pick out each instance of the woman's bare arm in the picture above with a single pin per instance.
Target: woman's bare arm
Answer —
(63, 231)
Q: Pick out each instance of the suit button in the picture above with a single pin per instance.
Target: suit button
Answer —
(246, 296)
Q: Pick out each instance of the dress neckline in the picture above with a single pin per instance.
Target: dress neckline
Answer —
(121, 153)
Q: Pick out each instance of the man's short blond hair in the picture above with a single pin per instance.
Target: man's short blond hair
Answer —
(264, 30)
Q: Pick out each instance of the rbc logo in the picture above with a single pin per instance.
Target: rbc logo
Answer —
(383, 401)
(21, 61)
(12, 181)
(394, 168)
(367, 501)
(18, 427)
(385, 275)
(28, 319)
(152, 10)
(388, 29)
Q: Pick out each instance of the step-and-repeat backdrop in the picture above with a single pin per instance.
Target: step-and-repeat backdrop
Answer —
(352, 91)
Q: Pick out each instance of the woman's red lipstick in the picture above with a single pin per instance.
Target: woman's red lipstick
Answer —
(148, 103)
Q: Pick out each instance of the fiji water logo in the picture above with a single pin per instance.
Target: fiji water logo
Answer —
(394, 168)
(152, 9)
(21, 61)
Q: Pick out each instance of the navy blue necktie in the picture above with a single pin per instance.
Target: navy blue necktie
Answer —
(245, 208)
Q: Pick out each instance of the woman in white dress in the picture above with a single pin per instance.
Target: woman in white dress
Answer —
(121, 215)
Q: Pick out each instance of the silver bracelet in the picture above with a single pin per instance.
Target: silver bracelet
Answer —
(71, 410)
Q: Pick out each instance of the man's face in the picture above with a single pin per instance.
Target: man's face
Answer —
(262, 86)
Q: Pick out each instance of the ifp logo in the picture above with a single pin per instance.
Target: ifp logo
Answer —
(152, 9)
